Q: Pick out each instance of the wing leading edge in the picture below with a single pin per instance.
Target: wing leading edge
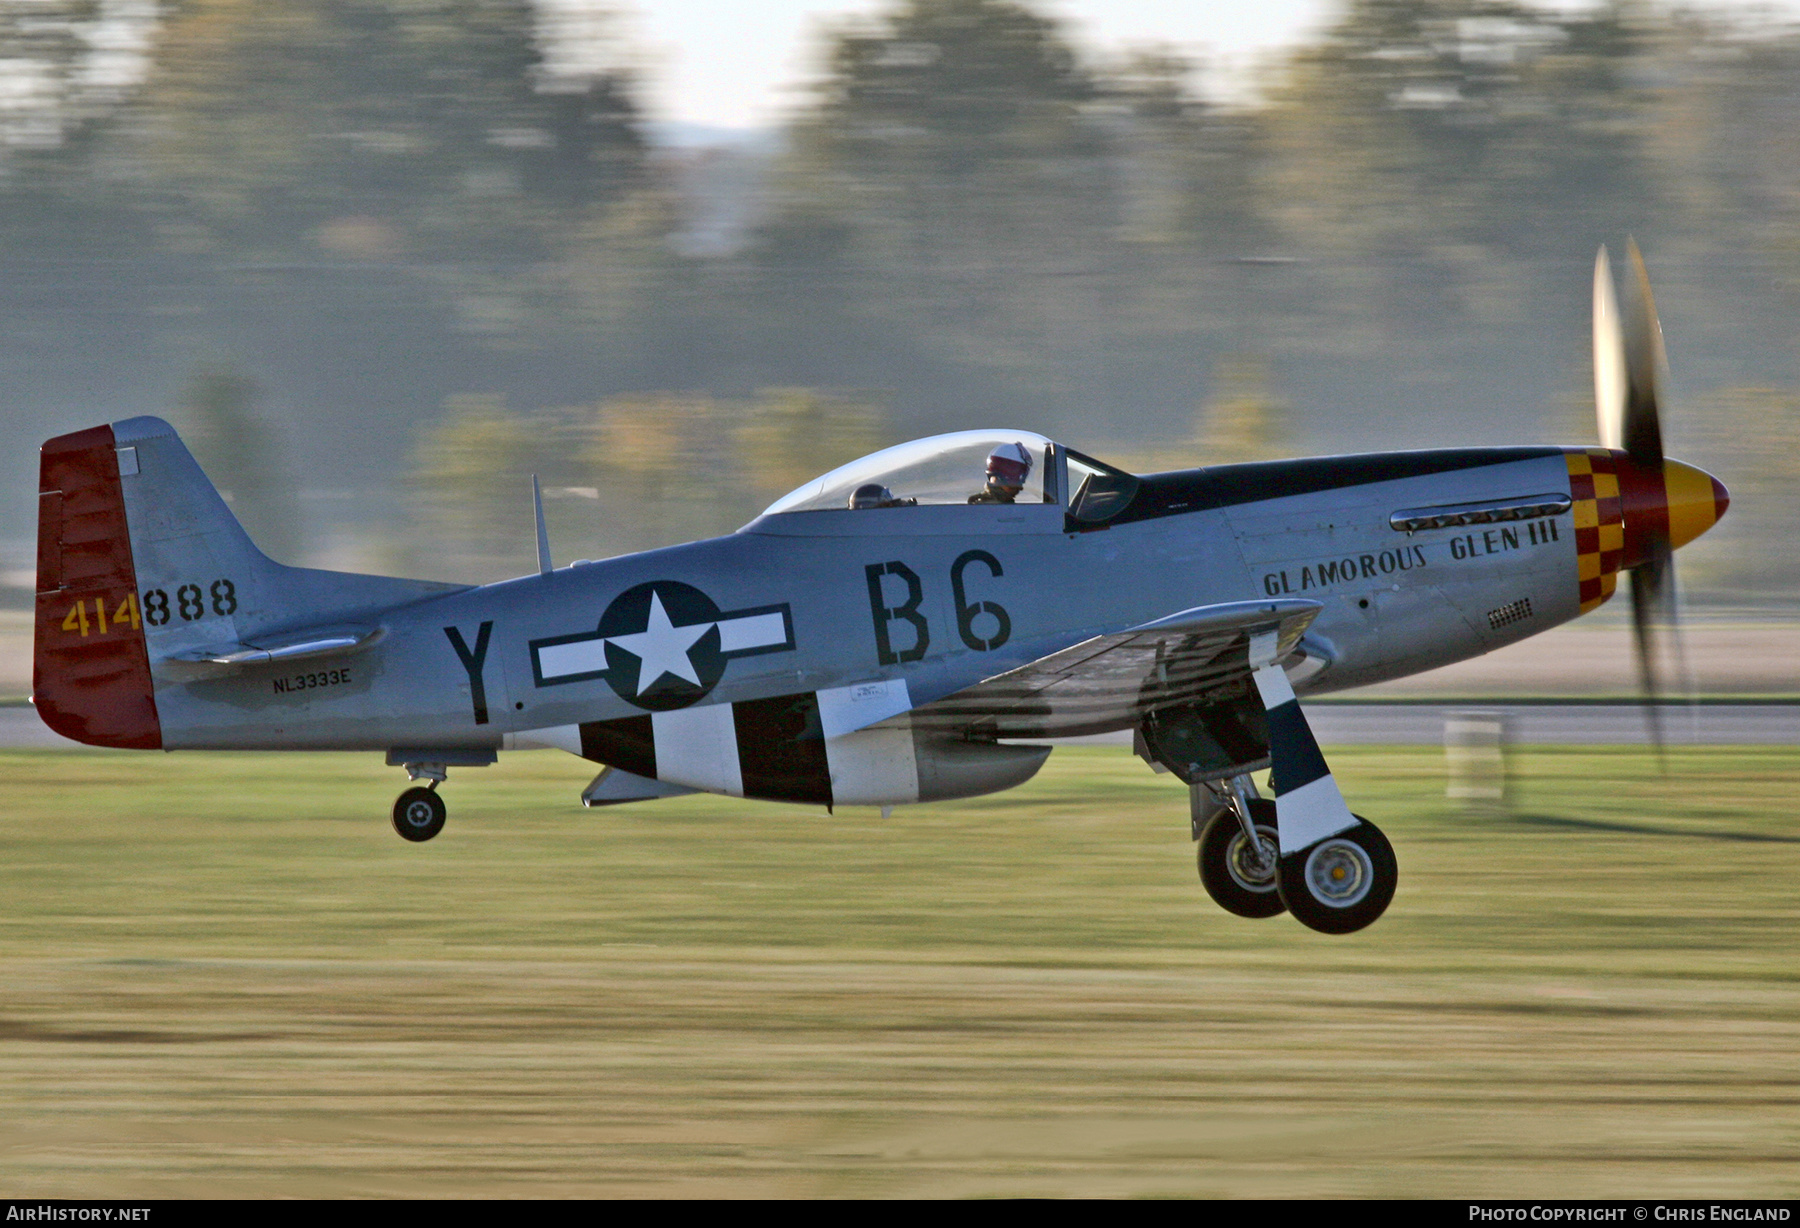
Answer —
(1112, 681)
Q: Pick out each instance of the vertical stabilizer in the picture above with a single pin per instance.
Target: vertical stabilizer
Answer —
(143, 570)
(90, 669)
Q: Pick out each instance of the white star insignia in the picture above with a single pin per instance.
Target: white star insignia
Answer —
(661, 647)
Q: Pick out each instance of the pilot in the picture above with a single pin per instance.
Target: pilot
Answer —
(874, 494)
(1007, 468)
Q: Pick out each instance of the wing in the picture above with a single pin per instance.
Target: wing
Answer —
(1110, 682)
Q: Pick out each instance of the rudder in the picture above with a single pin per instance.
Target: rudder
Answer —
(90, 666)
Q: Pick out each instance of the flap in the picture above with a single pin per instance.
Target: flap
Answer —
(1110, 681)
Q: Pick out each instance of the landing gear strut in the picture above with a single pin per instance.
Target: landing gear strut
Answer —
(1239, 874)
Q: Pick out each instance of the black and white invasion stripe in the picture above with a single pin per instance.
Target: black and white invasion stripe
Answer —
(1308, 804)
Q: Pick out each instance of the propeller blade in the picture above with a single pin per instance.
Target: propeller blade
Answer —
(1650, 589)
(1609, 357)
(1628, 405)
(1684, 670)
(1644, 361)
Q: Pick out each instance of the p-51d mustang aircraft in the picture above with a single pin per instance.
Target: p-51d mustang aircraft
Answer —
(888, 632)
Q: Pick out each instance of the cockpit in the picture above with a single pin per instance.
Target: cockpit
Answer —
(1017, 468)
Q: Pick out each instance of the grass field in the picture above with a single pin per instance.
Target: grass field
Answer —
(226, 976)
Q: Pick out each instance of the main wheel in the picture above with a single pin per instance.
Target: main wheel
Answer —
(1342, 883)
(419, 814)
(1234, 876)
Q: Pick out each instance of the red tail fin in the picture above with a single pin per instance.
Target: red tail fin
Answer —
(90, 671)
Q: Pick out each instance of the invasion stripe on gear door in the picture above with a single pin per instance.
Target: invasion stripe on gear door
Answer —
(1308, 804)
(698, 747)
(779, 749)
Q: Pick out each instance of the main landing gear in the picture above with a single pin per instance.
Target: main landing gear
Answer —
(1342, 883)
(1337, 885)
(1238, 859)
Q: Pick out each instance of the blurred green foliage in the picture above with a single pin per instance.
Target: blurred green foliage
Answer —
(629, 472)
(241, 454)
(380, 208)
(369, 129)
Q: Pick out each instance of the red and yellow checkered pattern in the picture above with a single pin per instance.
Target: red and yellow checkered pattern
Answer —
(1599, 511)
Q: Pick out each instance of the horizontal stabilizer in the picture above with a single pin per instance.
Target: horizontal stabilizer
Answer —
(305, 645)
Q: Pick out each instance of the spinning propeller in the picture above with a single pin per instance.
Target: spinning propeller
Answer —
(1665, 504)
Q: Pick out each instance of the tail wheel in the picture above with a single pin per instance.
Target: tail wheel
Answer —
(1342, 883)
(1236, 876)
(419, 814)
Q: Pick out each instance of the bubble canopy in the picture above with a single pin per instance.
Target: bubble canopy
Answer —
(943, 469)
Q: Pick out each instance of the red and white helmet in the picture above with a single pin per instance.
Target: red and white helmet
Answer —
(1009, 464)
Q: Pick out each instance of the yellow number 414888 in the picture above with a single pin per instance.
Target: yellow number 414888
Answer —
(125, 615)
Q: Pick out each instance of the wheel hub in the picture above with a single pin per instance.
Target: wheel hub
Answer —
(1252, 868)
(1339, 873)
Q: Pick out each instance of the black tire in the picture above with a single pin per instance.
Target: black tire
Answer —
(419, 814)
(1229, 877)
(1342, 883)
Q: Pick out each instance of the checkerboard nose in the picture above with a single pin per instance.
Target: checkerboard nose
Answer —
(1623, 510)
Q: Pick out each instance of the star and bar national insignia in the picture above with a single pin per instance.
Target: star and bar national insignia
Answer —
(662, 645)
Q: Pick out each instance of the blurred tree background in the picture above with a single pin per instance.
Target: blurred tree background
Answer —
(443, 253)
(217, 416)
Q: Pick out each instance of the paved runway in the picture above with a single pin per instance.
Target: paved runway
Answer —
(1560, 724)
